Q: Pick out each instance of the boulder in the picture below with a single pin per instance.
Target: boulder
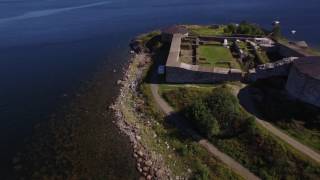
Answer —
(148, 163)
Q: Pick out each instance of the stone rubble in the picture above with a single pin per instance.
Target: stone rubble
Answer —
(149, 167)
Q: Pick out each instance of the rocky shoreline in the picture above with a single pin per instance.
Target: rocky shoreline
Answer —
(129, 120)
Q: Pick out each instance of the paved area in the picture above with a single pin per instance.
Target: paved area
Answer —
(234, 165)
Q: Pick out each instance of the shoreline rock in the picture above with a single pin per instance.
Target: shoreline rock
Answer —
(148, 166)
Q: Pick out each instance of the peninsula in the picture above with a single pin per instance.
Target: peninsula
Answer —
(231, 101)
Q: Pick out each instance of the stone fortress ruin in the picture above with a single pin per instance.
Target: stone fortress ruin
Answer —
(211, 59)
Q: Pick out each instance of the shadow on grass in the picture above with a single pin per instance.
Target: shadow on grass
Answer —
(185, 128)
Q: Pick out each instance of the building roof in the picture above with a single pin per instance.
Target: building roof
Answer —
(309, 66)
(175, 30)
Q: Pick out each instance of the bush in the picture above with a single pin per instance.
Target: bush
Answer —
(205, 122)
(244, 28)
(183, 97)
(224, 106)
(249, 29)
(202, 172)
(219, 113)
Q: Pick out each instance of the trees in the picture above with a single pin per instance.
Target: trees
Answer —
(224, 107)
(205, 122)
(230, 29)
(219, 114)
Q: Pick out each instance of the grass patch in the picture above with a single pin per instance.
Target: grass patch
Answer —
(183, 156)
(144, 38)
(244, 140)
(217, 56)
(206, 30)
(296, 129)
(183, 153)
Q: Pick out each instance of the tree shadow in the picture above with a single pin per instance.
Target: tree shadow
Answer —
(184, 127)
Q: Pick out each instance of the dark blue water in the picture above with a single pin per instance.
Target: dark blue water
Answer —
(48, 48)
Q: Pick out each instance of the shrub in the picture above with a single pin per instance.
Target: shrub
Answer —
(224, 106)
(219, 113)
(205, 122)
(202, 172)
(183, 97)
(244, 28)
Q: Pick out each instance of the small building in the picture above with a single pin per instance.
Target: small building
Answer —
(304, 80)
(168, 33)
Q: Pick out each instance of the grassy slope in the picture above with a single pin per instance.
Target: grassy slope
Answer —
(264, 154)
(309, 137)
(206, 30)
(182, 155)
(214, 55)
(288, 115)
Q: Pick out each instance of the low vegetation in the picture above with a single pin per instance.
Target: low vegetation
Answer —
(183, 156)
(214, 30)
(214, 55)
(244, 28)
(219, 117)
(298, 119)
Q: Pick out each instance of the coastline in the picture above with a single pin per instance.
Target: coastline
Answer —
(149, 164)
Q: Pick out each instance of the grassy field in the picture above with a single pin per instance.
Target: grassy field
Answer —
(183, 153)
(258, 150)
(183, 156)
(206, 30)
(216, 56)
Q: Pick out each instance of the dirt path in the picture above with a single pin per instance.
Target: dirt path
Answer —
(234, 165)
(246, 102)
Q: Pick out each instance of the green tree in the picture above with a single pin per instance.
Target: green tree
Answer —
(203, 119)
(230, 29)
(223, 105)
(249, 29)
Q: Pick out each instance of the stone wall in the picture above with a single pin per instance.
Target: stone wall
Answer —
(303, 87)
(178, 72)
(185, 75)
(278, 68)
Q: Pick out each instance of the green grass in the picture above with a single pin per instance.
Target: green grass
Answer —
(144, 38)
(309, 137)
(243, 45)
(183, 154)
(206, 30)
(261, 152)
(216, 56)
